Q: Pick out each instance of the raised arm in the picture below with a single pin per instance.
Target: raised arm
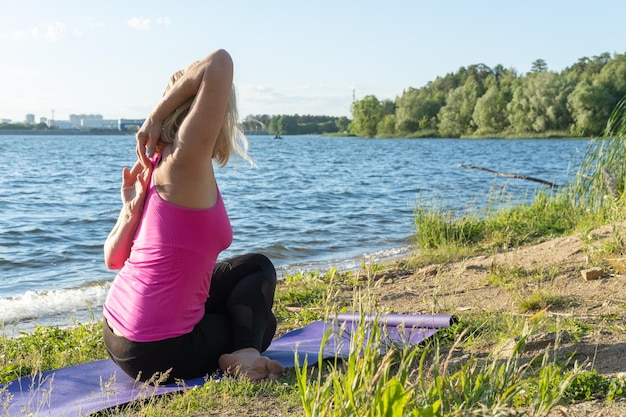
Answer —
(208, 82)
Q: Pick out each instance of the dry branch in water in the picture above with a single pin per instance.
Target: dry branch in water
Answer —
(508, 175)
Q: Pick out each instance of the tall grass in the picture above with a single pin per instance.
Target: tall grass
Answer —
(426, 381)
(601, 181)
(442, 234)
(363, 384)
(596, 196)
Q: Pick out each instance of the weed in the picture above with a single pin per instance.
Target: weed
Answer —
(506, 277)
(540, 299)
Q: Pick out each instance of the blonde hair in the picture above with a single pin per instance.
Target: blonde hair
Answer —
(230, 137)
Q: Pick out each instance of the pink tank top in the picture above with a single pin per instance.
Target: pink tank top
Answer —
(160, 291)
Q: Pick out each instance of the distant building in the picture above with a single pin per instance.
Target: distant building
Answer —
(88, 124)
(78, 120)
(61, 124)
(126, 124)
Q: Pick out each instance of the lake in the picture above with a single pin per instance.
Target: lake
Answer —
(311, 203)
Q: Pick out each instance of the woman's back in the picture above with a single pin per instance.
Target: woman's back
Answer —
(184, 181)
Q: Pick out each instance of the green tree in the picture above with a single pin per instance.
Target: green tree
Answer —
(417, 109)
(590, 104)
(455, 118)
(594, 98)
(327, 127)
(257, 122)
(342, 123)
(308, 128)
(387, 126)
(388, 107)
(539, 65)
(539, 103)
(490, 110)
(274, 126)
(289, 124)
(586, 69)
(366, 114)
(283, 125)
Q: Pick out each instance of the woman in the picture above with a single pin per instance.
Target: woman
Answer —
(158, 322)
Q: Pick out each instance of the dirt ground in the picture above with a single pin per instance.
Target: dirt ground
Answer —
(554, 267)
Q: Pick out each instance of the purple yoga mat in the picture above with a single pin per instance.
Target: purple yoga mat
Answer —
(91, 387)
(79, 390)
(432, 321)
(395, 329)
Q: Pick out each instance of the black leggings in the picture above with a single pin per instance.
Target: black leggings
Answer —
(238, 315)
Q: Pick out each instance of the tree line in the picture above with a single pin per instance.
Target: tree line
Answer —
(481, 101)
(25, 126)
(295, 124)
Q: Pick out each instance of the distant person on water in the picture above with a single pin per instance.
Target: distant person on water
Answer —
(173, 311)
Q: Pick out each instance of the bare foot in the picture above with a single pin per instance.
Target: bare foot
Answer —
(249, 362)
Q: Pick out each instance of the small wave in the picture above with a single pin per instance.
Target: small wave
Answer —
(33, 305)
(344, 265)
(279, 252)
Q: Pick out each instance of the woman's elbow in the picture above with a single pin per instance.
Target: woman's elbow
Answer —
(221, 60)
(221, 55)
(112, 264)
(113, 267)
(111, 261)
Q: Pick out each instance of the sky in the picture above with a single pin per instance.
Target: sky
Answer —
(291, 57)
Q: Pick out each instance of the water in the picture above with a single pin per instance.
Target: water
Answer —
(312, 203)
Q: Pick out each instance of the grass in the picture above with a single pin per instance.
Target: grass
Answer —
(48, 348)
(438, 378)
(429, 380)
(540, 299)
(442, 236)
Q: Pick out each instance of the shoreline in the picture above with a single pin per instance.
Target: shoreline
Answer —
(75, 132)
(62, 132)
(69, 306)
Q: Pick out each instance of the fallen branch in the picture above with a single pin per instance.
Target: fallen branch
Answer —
(504, 174)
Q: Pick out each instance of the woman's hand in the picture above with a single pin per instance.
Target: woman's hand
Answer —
(134, 186)
(134, 189)
(147, 138)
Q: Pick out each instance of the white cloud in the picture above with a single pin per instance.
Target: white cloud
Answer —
(145, 23)
(165, 21)
(94, 24)
(140, 23)
(303, 99)
(20, 72)
(52, 32)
